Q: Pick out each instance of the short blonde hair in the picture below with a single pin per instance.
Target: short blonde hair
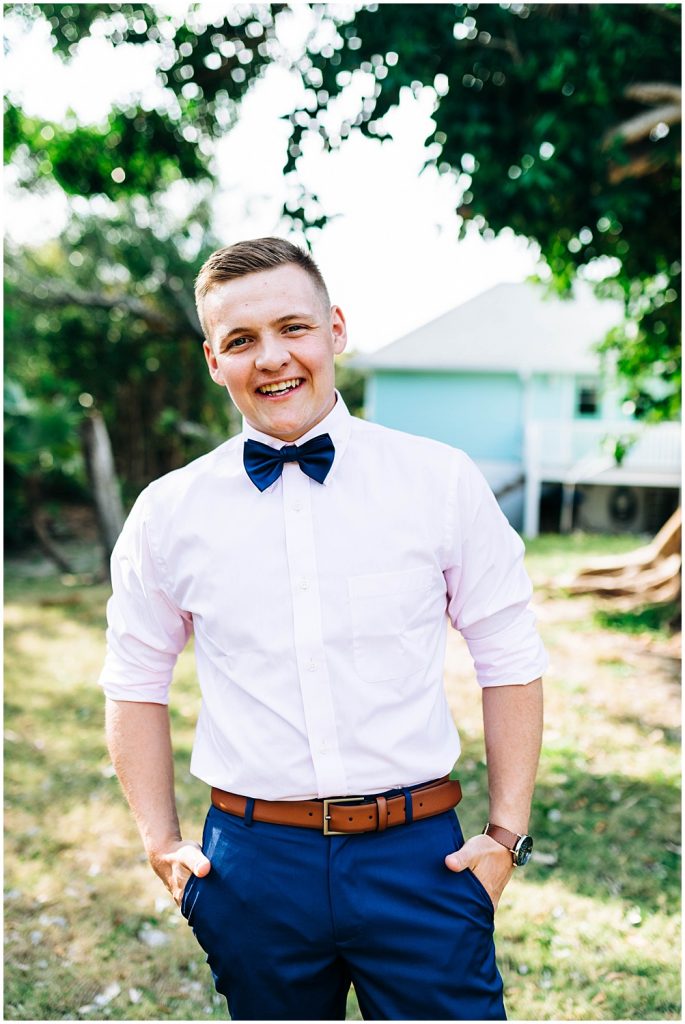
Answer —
(250, 257)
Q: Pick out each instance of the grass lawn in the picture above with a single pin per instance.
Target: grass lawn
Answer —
(590, 929)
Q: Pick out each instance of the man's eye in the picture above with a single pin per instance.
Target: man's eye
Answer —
(237, 343)
(296, 327)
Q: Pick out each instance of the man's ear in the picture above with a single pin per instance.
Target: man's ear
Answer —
(212, 365)
(338, 330)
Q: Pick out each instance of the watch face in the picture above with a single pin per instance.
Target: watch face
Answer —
(523, 850)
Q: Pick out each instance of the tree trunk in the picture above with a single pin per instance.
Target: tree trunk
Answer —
(97, 452)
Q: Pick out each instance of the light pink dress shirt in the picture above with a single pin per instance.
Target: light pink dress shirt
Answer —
(320, 610)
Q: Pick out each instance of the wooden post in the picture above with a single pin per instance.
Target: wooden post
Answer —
(97, 452)
(531, 513)
(567, 499)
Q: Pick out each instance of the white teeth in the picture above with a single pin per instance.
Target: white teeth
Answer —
(284, 385)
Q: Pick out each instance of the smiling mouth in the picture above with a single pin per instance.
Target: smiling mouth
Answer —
(283, 387)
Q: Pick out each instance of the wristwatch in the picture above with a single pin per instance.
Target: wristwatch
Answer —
(520, 847)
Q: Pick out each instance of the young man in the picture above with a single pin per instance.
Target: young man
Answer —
(316, 558)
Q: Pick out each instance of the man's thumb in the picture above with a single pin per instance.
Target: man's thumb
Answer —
(196, 861)
(455, 861)
(201, 866)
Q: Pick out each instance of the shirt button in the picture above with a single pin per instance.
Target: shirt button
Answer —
(323, 747)
(303, 583)
(297, 506)
(311, 665)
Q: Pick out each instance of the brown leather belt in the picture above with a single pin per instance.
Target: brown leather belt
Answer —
(346, 815)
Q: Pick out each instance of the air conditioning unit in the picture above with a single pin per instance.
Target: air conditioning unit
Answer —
(623, 506)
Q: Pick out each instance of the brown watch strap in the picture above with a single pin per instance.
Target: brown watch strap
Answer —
(502, 836)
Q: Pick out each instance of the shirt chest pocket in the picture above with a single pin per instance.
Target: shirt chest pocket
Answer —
(393, 614)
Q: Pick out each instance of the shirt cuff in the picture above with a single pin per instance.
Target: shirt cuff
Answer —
(149, 690)
(507, 658)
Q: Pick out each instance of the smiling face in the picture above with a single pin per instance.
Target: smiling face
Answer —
(270, 342)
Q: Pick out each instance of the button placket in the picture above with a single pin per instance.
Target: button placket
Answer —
(311, 660)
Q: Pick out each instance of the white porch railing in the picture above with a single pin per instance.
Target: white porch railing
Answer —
(562, 445)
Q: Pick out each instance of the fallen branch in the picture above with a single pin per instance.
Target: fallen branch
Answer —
(635, 581)
(648, 575)
(665, 543)
(39, 521)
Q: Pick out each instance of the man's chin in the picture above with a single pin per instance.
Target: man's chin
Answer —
(284, 425)
(279, 427)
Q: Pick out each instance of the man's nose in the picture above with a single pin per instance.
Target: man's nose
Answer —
(272, 354)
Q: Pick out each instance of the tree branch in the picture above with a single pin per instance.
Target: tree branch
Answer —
(514, 47)
(638, 127)
(639, 167)
(662, 12)
(187, 307)
(509, 45)
(57, 295)
(654, 92)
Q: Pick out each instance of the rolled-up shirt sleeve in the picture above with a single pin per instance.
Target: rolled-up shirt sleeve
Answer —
(488, 588)
(146, 631)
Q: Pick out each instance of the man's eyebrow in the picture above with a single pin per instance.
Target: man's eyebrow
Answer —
(295, 316)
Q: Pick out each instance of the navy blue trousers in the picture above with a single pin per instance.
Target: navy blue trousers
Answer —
(289, 918)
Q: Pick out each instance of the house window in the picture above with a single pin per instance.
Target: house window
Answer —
(587, 399)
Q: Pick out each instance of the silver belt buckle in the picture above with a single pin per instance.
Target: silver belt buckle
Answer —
(326, 816)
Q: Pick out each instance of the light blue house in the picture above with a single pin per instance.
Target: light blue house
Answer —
(512, 377)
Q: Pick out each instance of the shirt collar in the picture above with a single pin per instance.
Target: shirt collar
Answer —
(338, 423)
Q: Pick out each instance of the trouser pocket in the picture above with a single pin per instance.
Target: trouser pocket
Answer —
(193, 886)
(189, 896)
(475, 883)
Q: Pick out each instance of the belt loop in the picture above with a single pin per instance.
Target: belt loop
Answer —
(408, 806)
(249, 811)
(382, 806)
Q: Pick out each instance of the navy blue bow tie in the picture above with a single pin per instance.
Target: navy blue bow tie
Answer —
(264, 464)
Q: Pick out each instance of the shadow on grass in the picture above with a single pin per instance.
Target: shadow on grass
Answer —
(42, 775)
(613, 836)
(670, 734)
(603, 836)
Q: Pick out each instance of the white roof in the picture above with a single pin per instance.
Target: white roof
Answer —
(511, 327)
